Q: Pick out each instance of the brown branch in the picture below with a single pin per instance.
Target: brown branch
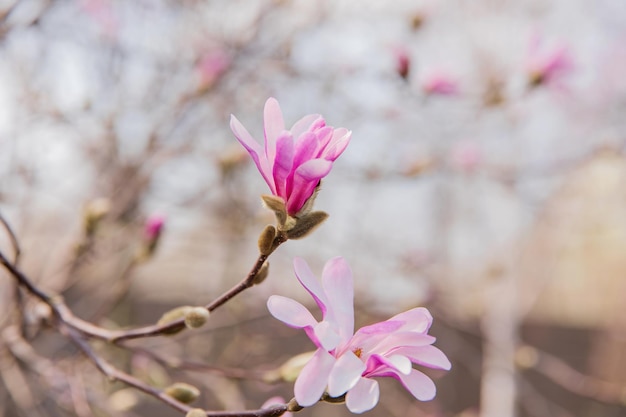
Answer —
(78, 331)
(115, 374)
(65, 315)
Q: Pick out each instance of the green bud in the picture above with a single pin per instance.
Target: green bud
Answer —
(183, 392)
(262, 274)
(266, 240)
(306, 224)
(196, 317)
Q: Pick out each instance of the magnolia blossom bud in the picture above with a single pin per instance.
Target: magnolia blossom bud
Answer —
(183, 392)
(403, 62)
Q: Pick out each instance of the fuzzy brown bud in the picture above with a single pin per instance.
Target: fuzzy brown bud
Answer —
(196, 317)
(306, 224)
(183, 392)
(266, 240)
(277, 205)
(262, 274)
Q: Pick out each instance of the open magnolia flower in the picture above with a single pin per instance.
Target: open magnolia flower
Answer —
(293, 161)
(346, 362)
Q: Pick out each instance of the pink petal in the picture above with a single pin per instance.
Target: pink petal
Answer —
(290, 312)
(273, 125)
(255, 151)
(305, 179)
(400, 339)
(313, 378)
(314, 169)
(345, 374)
(369, 336)
(339, 288)
(310, 283)
(417, 320)
(399, 363)
(306, 147)
(304, 124)
(326, 335)
(428, 356)
(339, 142)
(418, 384)
(363, 397)
(324, 136)
(283, 163)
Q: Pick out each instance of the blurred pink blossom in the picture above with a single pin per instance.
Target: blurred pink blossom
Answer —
(293, 161)
(102, 12)
(153, 227)
(346, 363)
(439, 82)
(403, 61)
(211, 66)
(546, 66)
(466, 156)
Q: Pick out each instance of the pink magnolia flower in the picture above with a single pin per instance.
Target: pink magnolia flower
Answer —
(346, 362)
(293, 161)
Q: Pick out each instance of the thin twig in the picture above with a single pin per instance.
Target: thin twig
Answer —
(17, 251)
(64, 314)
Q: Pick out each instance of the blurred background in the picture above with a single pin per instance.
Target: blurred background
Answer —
(485, 180)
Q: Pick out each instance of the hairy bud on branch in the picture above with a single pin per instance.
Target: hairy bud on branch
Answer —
(183, 392)
(262, 274)
(196, 317)
(306, 224)
(266, 240)
(173, 315)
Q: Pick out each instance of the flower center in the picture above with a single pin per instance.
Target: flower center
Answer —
(358, 352)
